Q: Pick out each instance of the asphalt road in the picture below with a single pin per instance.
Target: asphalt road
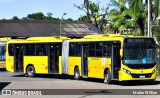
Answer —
(19, 81)
(19, 77)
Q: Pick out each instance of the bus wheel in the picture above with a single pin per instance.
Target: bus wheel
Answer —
(76, 74)
(30, 71)
(107, 77)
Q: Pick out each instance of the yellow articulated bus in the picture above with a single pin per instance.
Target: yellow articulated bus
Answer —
(110, 57)
(3, 41)
(34, 55)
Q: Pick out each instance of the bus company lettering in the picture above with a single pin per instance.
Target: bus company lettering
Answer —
(94, 58)
(145, 92)
(26, 92)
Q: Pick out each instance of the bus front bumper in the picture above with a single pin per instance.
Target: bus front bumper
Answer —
(137, 76)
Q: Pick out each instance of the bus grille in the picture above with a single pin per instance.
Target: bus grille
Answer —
(140, 75)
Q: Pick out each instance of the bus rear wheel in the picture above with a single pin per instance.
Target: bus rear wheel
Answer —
(107, 77)
(30, 71)
(76, 74)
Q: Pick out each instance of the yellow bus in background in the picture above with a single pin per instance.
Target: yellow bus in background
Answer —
(3, 41)
(34, 55)
(110, 57)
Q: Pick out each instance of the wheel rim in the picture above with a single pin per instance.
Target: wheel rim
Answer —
(76, 74)
(107, 77)
(30, 71)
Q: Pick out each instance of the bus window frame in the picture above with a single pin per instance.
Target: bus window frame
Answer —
(95, 50)
(137, 43)
(2, 52)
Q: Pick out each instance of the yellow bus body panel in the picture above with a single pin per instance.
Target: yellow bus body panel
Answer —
(60, 64)
(10, 63)
(73, 62)
(105, 64)
(93, 67)
(40, 63)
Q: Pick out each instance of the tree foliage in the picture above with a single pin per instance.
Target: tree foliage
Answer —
(91, 8)
(15, 18)
(40, 16)
(69, 19)
(83, 18)
(36, 16)
(132, 14)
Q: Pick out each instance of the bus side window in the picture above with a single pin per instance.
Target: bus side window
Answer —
(99, 47)
(107, 49)
(30, 49)
(10, 50)
(71, 49)
(104, 53)
(40, 49)
(77, 49)
(92, 49)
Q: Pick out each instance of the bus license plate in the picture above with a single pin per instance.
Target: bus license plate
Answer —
(141, 76)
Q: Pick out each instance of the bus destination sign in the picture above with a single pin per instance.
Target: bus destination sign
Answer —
(138, 40)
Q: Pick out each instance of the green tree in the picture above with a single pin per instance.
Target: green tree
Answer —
(40, 16)
(156, 6)
(138, 15)
(15, 18)
(94, 13)
(119, 16)
(69, 19)
(49, 16)
(132, 16)
(55, 19)
(83, 18)
(155, 27)
(36, 16)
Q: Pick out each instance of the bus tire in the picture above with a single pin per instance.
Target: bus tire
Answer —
(107, 77)
(30, 71)
(76, 74)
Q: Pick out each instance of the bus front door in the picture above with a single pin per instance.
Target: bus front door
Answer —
(115, 60)
(53, 58)
(84, 62)
(18, 58)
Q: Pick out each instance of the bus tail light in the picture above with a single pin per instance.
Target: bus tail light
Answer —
(126, 71)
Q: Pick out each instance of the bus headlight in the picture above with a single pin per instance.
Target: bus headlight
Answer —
(126, 71)
(153, 71)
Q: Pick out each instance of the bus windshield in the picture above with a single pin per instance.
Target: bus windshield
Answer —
(2, 53)
(139, 52)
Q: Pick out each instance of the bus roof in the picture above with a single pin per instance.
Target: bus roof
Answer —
(106, 37)
(48, 38)
(100, 36)
(39, 39)
(4, 38)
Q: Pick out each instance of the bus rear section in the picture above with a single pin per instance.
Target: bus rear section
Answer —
(36, 56)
